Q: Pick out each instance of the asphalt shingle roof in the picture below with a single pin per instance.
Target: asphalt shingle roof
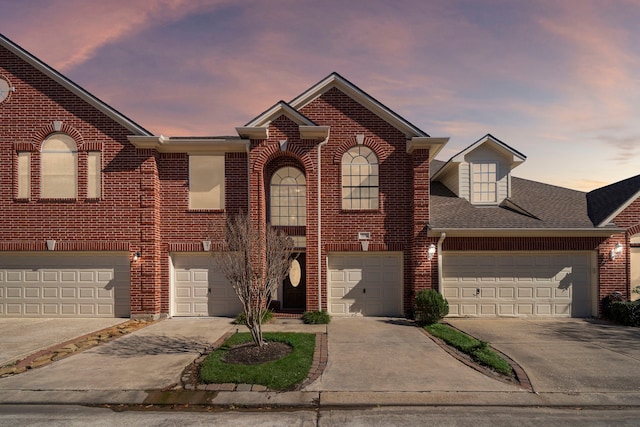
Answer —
(604, 201)
(531, 205)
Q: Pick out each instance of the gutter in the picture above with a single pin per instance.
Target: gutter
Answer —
(526, 232)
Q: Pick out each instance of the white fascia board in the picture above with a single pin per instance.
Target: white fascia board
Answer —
(362, 98)
(617, 212)
(525, 232)
(277, 110)
(251, 132)
(516, 158)
(433, 144)
(187, 145)
(314, 132)
(74, 88)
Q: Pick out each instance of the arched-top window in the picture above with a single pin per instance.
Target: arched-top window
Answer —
(360, 178)
(59, 167)
(288, 197)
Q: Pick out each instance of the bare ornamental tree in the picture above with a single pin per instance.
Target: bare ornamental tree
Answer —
(255, 263)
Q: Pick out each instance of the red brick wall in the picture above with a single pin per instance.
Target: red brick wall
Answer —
(391, 226)
(618, 276)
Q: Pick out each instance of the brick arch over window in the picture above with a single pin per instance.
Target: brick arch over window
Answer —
(352, 142)
(44, 132)
(269, 153)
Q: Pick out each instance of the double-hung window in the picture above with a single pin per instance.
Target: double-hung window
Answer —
(484, 178)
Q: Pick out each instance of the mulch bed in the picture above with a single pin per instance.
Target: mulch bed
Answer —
(250, 354)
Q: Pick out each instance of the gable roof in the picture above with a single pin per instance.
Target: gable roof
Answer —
(335, 80)
(516, 157)
(605, 203)
(258, 128)
(72, 87)
(534, 208)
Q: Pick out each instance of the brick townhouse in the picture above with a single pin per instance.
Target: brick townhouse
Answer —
(100, 217)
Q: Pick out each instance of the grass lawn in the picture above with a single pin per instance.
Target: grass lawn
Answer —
(478, 350)
(277, 375)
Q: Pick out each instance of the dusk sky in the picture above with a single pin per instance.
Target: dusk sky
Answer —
(557, 80)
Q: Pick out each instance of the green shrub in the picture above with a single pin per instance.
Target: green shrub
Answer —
(316, 317)
(430, 307)
(241, 319)
(625, 312)
(607, 303)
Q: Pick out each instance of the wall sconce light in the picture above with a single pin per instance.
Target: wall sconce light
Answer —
(617, 251)
(431, 251)
(137, 256)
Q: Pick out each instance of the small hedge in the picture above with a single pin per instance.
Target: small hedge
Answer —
(316, 317)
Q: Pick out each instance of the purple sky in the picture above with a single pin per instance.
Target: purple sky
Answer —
(557, 80)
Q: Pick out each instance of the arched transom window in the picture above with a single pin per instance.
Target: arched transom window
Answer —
(59, 167)
(359, 178)
(288, 197)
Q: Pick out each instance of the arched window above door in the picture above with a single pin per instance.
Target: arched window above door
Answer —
(288, 197)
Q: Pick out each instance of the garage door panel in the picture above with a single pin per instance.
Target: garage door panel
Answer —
(85, 284)
(200, 288)
(523, 284)
(368, 284)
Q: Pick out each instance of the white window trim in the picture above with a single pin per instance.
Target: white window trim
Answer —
(473, 194)
(343, 186)
(43, 155)
(301, 220)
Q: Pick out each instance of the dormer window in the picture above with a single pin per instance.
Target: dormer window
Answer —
(484, 187)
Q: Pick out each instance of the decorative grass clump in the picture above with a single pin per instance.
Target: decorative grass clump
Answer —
(280, 374)
(316, 317)
(241, 318)
(478, 350)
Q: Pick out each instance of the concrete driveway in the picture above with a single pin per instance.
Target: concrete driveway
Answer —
(392, 355)
(20, 337)
(565, 355)
(149, 358)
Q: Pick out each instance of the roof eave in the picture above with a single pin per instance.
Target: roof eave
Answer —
(433, 144)
(163, 144)
(339, 82)
(617, 212)
(525, 232)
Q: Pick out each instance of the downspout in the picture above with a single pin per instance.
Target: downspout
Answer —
(248, 147)
(322, 144)
(442, 237)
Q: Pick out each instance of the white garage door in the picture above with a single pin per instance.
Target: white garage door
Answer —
(70, 284)
(518, 284)
(367, 284)
(200, 288)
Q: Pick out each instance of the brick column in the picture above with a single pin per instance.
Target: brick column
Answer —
(146, 272)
